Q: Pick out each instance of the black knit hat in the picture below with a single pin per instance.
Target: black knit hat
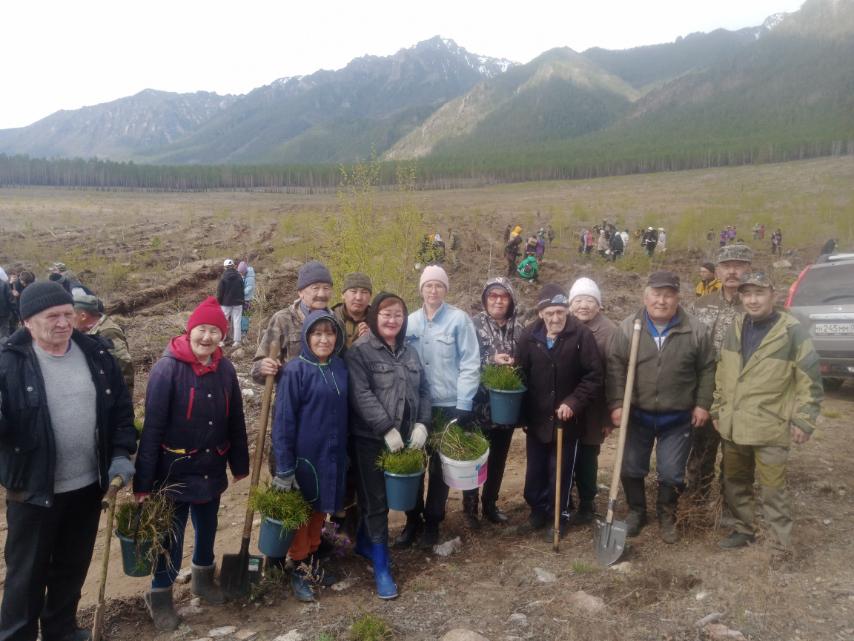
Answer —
(41, 295)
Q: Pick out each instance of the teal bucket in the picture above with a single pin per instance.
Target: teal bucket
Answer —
(401, 490)
(505, 406)
(136, 556)
(273, 541)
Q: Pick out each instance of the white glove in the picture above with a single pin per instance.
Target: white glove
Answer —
(393, 440)
(418, 436)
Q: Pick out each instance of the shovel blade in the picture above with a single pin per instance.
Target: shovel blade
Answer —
(609, 539)
(234, 576)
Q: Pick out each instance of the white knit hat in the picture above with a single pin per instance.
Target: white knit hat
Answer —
(585, 287)
(434, 272)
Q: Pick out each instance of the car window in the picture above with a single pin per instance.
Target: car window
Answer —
(826, 285)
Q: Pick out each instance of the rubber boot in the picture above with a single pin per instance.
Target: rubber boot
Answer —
(300, 583)
(204, 586)
(586, 513)
(78, 634)
(470, 501)
(493, 514)
(386, 587)
(430, 535)
(409, 533)
(666, 508)
(162, 609)
(636, 499)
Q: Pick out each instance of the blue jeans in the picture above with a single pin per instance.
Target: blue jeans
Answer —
(672, 446)
(204, 516)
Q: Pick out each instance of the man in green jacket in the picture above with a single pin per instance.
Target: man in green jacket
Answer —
(672, 395)
(768, 393)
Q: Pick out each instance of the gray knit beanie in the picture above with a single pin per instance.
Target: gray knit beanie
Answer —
(358, 280)
(41, 295)
(313, 272)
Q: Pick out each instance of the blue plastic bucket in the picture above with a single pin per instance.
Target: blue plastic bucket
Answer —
(274, 541)
(136, 556)
(505, 406)
(401, 490)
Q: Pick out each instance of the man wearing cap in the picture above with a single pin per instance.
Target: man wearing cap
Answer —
(718, 311)
(66, 430)
(768, 394)
(672, 394)
(446, 343)
(352, 313)
(89, 319)
(314, 287)
(585, 304)
(560, 363)
(229, 295)
(709, 283)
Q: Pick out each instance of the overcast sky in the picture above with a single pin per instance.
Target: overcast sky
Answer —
(63, 54)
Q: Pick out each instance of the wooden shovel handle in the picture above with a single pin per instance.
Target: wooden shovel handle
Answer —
(260, 439)
(624, 421)
(109, 503)
(558, 473)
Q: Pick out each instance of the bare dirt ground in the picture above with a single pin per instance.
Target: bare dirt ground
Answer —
(154, 256)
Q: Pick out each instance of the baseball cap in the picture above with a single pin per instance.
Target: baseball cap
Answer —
(663, 278)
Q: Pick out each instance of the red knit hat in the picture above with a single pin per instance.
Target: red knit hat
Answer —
(208, 313)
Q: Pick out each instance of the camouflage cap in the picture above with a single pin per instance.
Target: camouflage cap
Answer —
(759, 279)
(742, 253)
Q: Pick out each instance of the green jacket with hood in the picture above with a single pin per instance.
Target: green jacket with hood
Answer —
(778, 386)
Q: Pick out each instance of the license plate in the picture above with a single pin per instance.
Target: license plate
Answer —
(834, 328)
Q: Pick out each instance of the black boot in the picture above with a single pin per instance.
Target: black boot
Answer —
(430, 535)
(636, 499)
(668, 496)
(493, 514)
(409, 533)
(162, 609)
(586, 513)
(470, 501)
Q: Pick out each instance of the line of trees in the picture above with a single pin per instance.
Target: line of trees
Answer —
(492, 166)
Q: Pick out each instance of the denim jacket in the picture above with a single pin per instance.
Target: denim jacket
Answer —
(448, 348)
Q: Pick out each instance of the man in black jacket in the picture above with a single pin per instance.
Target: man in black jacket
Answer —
(229, 295)
(562, 368)
(66, 429)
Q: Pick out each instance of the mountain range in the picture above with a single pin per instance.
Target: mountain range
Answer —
(788, 82)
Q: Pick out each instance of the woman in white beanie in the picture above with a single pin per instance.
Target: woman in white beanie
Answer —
(585, 303)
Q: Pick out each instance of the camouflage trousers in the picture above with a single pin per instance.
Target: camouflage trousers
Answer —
(766, 464)
(700, 469)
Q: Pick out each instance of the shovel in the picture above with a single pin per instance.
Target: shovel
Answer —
(234, 573)
(609, 536)
(109, 503)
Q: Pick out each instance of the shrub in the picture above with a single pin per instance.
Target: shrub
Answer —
(502, 377)
(290, 508)
(405, 461)
(457, 444)
(370, 627)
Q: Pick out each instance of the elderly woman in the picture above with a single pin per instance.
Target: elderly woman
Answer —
(310, 438)
(193, 429)
(498, 328)
(585, 304)
(390, 403)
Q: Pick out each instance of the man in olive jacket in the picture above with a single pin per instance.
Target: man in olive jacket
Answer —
(672, 394)
(559, 360)
(768, 393)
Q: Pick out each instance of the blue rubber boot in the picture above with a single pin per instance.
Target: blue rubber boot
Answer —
(301, 586)
(363, 545)
(386, 587)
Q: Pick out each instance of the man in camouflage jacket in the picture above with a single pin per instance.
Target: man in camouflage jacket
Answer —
(717, 311)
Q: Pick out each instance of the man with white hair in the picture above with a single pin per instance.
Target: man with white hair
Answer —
(585, 304)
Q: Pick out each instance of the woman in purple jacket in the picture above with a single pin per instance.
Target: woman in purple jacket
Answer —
(194, 426)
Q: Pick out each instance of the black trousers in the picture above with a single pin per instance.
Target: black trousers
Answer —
(370, 486)
(499, 446)
(541, 470)
(48, 550)
(433, 509)
(586, 472)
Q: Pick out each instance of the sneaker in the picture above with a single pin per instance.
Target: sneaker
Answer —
(736, 540)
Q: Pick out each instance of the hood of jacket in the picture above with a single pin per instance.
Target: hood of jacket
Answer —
(372, 321)
(180, 349)
(310, 321)
(500, 281)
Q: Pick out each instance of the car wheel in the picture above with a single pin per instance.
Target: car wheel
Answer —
(832, 384)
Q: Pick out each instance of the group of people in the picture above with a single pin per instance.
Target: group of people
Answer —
(534, 249)
(609, 242)
(369, 375)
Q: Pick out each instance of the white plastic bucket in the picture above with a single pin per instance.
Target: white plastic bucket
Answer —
(464, 475)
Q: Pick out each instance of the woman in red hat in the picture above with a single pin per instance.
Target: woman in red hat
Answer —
(194, 427)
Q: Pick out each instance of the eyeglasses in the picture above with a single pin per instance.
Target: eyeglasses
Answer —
(387, 316)
(497, 296)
